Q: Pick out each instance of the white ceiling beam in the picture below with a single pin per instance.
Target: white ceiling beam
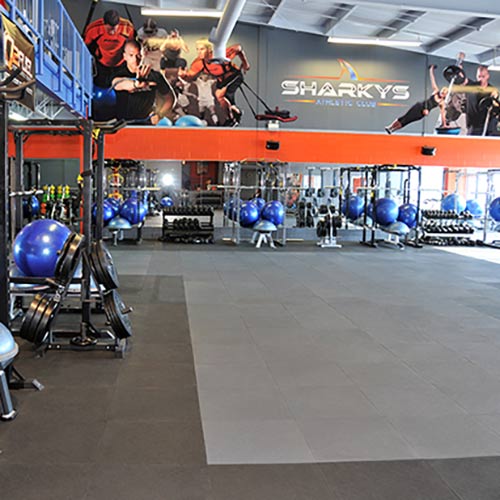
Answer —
(276, 12)
(337, 15)
(485, 8)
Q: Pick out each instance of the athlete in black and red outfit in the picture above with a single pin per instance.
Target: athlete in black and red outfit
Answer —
(228, 76)
(105, 39)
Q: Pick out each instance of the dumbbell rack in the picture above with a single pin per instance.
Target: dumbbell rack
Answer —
(447, 228)
(204, 232)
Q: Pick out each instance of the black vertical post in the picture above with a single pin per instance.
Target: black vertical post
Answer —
(87, 223)
(4, 216)
(99, 185)
(18, 183)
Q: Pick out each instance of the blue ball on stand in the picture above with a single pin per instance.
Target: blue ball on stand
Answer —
(353, 207)
(453, 202)
(133, 210)
(249, 214)
(408, 214)
(166, 201)
(36, 248)
(189, 121)
(386, 211)
(34, 204)
(274, 212)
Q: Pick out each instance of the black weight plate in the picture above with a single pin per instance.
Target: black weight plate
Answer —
(454, 73)
(117, 314)
(36, 323)
(102, 266)
(69, 258)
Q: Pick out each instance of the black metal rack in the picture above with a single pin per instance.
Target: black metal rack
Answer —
(188, 224)
(447, 228)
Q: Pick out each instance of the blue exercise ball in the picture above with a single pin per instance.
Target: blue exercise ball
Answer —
(353, 206)
(164, 122)
(474, 208)
(119, 223)
(228, 207)
(166, 201)
(133, 210)
(408, 214)
(115, 202)
(104, 97)
(369, 209)
(189, 121)
(8, 346)
(386, 211)
(495, 209)
(453, 202)
(260, 202)
(37, 246)
(35, 207)
(274, 212)
(109, 211)
(249, 213)
(399, 228)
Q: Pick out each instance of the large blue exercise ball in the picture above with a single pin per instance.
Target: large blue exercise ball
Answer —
(386, 211)
(249, 213)
(166, 201)
(453, 202)
(260, 202)
(353, 206)
(189, 121)
(274, 212)
(34, 204)
(133, 210)
(109, 211)
(116, 203)
(104, 96)
(474, 208)
(37, 246)
(369, 210)
(408, 214)
(164, 122)
(495, 209)
(228, 207)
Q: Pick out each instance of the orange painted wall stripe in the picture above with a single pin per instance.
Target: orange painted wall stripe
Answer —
(216, 144)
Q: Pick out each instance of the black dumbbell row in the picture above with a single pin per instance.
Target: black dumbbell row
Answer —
(188, 211)
(446, 214)
(447, 228)
(442, 242)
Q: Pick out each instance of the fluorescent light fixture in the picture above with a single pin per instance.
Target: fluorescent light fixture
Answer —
(494, 67)
(16, 116)
(146, 11)
(384, 42)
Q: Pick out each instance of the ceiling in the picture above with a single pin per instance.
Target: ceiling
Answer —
(444, 27)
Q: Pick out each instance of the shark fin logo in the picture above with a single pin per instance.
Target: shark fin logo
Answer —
(347, 89)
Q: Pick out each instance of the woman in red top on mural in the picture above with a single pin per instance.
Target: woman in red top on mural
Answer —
(228, 75)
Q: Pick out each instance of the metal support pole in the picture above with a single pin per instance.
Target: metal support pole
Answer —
(87, 225)
(99, 186)
(4, 217)
(17, 184)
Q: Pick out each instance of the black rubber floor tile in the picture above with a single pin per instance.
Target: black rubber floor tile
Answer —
(75, 402)
(398, 480)
(269, 482)
(157, 373)
(157, 403)
(35, 439)
(42, 481)
(155, 349)
(471, 478)
(147, 482)
(153, 442)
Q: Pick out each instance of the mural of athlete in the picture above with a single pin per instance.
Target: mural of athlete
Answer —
(137, 86)
(228, 75)
(422, 108)
(105, 39)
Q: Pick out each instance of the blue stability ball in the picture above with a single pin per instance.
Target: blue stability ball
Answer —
(164, 122)
(108, 211)
(228, 207)
(399, 228)
(104, 97)
(353, 207)
(249, 213)
(453, 202)
(369, 209)
(8, 346)
(495, 209)
(474, 208)
(35, 207)
(166, 201)
(189, 121)
(260, 202)
(133, 210)
(274, 212)
(119, 223)
(386, 211)
(115, 202)
(36, 247)
(408, 214)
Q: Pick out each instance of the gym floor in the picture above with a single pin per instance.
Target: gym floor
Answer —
(346, 374)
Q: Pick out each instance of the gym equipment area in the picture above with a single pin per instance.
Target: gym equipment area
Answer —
(223, 276)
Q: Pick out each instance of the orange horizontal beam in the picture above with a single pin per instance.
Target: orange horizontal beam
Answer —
(218, 144)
